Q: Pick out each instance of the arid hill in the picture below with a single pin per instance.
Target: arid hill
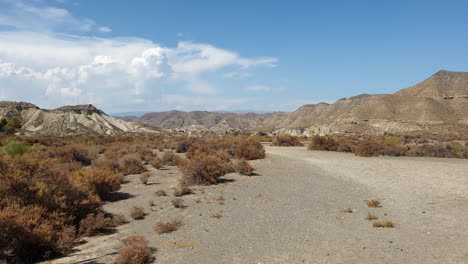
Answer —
(66, 120)
(439, 104)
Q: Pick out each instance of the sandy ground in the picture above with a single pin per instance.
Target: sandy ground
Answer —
(292, 212)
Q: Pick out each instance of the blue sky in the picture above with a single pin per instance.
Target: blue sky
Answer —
(222, 55)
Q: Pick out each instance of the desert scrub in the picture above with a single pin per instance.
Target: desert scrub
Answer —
(137, 213)
(203, 169)
(167, 227)
(14, 148)
(286, 140)
(134, 250)
(183, 191)
(383, 224)
(101, 181)
(243, 167)
(131, 164)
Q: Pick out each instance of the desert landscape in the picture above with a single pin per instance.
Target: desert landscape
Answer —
(244, 132)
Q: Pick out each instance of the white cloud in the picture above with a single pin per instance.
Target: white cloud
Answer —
(42, 64)
(263, 88)
(105, 29)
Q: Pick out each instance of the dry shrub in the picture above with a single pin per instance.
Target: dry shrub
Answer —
(26, 235)
(184, 145)
(373, 203)
(156, 162)
(347, 210)
(131, 164)
(323, 143)
(101, 181)
(249, 149)
(183, 191)
(384, 224)
(137, 213)
(370, 217)
(119, 219)
(220, 199)
(167, 227)
(243, 167)
(178, 203)
(107, 163)
(95, 224)
(203, 170)
(169, 158)
(144, 178)
(366, 149)
(160, 193)
(134, 250)
(82, 154)
(286, 140)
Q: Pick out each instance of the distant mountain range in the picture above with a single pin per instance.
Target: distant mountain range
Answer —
(440, 103)
(437, 105)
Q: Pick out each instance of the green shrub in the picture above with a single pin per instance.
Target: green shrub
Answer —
(14, 148)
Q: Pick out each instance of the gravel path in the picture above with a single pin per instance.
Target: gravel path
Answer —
(292, 212)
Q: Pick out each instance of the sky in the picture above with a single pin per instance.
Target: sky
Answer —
(158, 55)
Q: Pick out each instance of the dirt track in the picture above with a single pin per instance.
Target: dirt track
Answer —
(292, 213)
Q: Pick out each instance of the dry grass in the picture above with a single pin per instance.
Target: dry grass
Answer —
(156, 162)
(137, 213)
(373, 203)
(371, 217)
(347, 210)
(134, 250)
(384, 224)
(178, 203)
(167, 227)
(183, 191)
(160, 193)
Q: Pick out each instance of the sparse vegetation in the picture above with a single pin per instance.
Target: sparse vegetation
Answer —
(178, 203)
(160, 193)
(383, 224)
(347, 210)
(167, 227)
(137, 213)
(183, 191)
(286, 140)
(373, 203)
(243, 167)
(144, 178)
(135, 250)
(371, 217)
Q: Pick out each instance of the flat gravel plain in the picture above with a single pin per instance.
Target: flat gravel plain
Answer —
(293, 211)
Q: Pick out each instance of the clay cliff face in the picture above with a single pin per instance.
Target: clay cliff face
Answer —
(66, 120)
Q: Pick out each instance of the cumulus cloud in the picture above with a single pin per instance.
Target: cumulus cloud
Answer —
(49, 67)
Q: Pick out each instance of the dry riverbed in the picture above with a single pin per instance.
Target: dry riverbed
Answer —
(302, 207)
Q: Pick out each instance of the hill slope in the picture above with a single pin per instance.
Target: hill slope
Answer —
(440, 102)
(66, 120)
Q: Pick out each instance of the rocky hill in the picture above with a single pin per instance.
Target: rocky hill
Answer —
(439, 104)
(66, 120)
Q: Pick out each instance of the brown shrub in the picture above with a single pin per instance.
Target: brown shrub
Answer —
(169, 158)
(131, 164)
(323, 143)
(134, 250)
(167, 227)
(366, 149)
(137, 213)
(160, 193)
(119, 219)
(184, 145)
(243, 167)
(373, 203)
(144, 178)
(203, 170)
(249, 149)
(101, 181)
(286, 140)
(95, 224)
(178, 203)
(70, 153)
(183, 191)
(384, 224)
(157, 162)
